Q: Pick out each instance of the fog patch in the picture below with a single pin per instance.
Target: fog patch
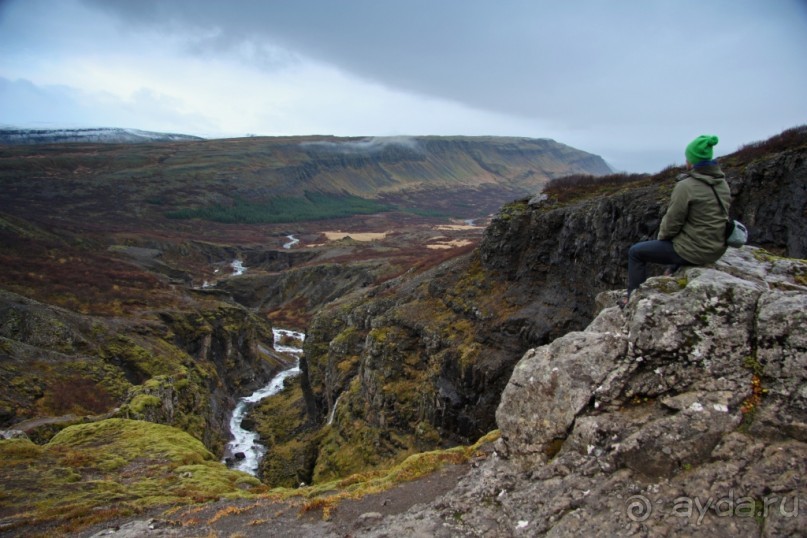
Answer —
(366, 145)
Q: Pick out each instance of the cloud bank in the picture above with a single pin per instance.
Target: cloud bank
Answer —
(633, 81)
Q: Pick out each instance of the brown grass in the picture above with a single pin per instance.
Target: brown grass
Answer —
(77, 279)
(566, 188)
(76, 394)
(787, 139)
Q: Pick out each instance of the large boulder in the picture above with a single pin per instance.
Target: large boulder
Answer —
(684, 413)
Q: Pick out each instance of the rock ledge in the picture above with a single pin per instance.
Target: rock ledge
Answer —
(686, 413)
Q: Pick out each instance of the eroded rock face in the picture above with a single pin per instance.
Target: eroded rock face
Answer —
(684, 413)
(59, 367)
(769, 195)
(449, 338)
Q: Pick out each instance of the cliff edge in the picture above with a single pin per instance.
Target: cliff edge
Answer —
(421, 361)
(683, 414)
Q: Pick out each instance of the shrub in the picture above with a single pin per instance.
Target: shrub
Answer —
(567, 187)
(787, 139)
(76, 394)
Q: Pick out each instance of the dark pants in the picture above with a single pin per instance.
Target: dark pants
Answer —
(646, 252)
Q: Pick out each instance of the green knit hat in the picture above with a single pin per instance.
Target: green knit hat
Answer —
(700, 149)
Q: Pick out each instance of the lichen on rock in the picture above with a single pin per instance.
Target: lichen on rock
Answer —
(684, 399)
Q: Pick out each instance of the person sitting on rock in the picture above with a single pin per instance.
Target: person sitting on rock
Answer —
(692, 231)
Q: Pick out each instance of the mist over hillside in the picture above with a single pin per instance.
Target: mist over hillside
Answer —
(280, 179)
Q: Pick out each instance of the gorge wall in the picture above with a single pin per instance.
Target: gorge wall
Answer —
(422, 360)
(181, 368)
(695, 391)
(684, 414)
(105, 304)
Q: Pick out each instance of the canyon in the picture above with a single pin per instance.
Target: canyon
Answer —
(418, 346)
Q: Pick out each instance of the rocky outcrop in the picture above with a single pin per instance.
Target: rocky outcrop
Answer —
(769, 195)
(683, 414)
(557, 255)
(437, 349)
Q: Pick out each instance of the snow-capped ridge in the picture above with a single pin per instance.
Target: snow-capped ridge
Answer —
(17, 136)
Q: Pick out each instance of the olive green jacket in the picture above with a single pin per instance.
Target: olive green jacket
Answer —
(694, 221)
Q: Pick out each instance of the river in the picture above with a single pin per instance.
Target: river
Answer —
(244, 441)
(292, 241)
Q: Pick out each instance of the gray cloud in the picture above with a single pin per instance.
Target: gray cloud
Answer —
(632, 80)
(567, 62)
(23, 103)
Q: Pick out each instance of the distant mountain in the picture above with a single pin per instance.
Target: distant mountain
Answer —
(95, 135)
(281, 179)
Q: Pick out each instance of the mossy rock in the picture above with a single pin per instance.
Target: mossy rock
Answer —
(514, 209)
(177, 401)
(664, 284)
(327, 495)
(112, 468)
(292, 444)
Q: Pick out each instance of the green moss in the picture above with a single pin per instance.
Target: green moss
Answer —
(469, 354)
(291, 463)
(132, 438)
(131, 465)
(752, 363)
(381, 335)
(345, 338)
(327, 495)
(348, 365)
(21, 450)
(137, 358)
(427, 433)
(118, 468)
(765, 256)
(281, 422)
(141, 403)
(189, 409)
(356, 447)
(667, 284)
(514, 210)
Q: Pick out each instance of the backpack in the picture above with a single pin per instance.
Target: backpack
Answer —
(736, 232)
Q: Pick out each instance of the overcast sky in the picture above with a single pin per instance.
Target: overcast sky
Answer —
(631, 80)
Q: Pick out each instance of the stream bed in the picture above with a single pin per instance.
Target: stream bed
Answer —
(244, 452)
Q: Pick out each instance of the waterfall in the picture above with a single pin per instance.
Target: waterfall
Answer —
(238, 267)
(333, 411)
